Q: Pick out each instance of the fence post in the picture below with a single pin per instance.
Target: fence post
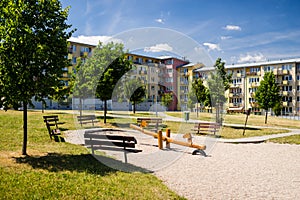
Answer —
(159, 139)
(168, 134)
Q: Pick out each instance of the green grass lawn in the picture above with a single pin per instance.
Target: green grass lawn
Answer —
(256, 120)
(61, 170)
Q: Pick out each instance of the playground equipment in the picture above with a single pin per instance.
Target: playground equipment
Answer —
(199, 148)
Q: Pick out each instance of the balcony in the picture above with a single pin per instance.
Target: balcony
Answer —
(239, 75)
(285, 82)
(252, 94)
(282, 72)
(251, 73)
(285, 104)
(254, 104)
(285, 93)
(275, 72)
(230, 94)
(255, 84)
(70, 56)
(234, 85)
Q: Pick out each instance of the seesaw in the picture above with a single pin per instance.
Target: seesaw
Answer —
(199, 148)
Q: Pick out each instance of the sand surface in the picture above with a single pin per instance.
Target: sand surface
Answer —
(231, 171)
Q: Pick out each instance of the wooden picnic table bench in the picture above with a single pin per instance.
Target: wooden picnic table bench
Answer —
(51, 122)
(87, 119)
(206, 127)
(96, 139)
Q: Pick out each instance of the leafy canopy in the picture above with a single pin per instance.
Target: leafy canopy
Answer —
(33, 49)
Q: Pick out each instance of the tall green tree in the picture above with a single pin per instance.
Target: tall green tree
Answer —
(199, 92)
(268, 93)
(101, 72)
(33, 50)
(135, 91)
(218, 84)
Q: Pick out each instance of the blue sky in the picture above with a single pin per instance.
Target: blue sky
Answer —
(236, 31)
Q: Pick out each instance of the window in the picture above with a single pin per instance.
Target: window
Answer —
(257, 69)
(253, 80)
(169, 70)
(74, 60)
(298, 88)
(288, 78)
(298, 98)
(298, 67)
(298, 77)
(74, 48)
(268, 68)
(287, 67)
(169, 80)
(287, 88)
(169, 88)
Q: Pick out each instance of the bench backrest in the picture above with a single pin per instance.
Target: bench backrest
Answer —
(102, 141)
(51, 120)
(149, 120)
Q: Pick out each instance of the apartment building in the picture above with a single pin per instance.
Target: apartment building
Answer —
(186, 75)
(246, 79)
(159, 75)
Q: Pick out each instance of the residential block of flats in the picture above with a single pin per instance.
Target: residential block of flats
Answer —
(167, 74)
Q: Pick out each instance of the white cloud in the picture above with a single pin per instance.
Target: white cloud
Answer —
(232, 28)
(225, 37)
(212, 46)
(257, 57)
(93, 40)
(160, 20)
(158, 48)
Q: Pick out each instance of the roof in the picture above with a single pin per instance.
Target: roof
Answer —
(281, 61)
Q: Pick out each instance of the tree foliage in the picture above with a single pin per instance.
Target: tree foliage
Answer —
(135, 91)
(218, 83)
(267, 94)
(166, 99)
(33, 50)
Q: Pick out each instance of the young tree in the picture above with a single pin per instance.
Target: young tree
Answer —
(218, 83)
(33, 50)
(267, 94)
(101, 72)
(200, 92)
(166, 99)
(134, 91)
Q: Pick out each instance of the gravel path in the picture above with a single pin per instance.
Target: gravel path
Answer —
(231, 171)
(237, 171)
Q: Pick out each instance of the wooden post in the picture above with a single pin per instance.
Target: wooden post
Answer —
(168, 134)
(159, 139)
(247, 113)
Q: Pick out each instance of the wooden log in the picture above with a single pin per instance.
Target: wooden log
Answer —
(168, 134)
(170, 140)
(159, 139)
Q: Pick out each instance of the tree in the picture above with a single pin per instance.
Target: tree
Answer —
(267, 94)
(110, 62)
(166, 99)
(134, 91)
(33, 50)
(218, 83)
(200, 92)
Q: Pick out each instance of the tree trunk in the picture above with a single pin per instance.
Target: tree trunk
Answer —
(133, 107)
(105, 110)
(24, 152)
(266, 117)
(80, 106)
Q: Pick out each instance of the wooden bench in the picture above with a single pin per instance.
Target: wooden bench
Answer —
(149, 122)
(87, 119)
(94, 139)
(52, 125)
(206, 128)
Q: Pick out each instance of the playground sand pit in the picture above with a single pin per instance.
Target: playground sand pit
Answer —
(230, 171)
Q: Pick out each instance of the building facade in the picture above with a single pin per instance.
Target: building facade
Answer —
(246, 79)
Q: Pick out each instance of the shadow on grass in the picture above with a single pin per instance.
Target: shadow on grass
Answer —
(54, 162)
(242, 128)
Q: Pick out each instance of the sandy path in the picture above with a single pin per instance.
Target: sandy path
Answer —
(237, 171)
